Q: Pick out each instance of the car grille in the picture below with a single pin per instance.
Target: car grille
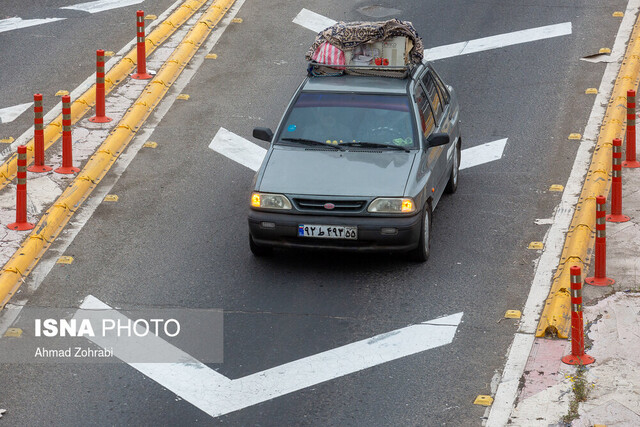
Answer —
(340, 205)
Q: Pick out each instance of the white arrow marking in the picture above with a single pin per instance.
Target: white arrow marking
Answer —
(9, 114)
(238, 149)
(316, 22)
(496, 42)
(251, 155)
(217, 395)
(482, 154)
(102, 5)
(16, 23)
(312, 21)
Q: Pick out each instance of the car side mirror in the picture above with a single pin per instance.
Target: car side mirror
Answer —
(263, 134)
(437, 139)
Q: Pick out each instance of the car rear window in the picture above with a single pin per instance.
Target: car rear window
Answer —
(346, 117)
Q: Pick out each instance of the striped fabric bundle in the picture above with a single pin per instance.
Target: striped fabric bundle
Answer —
(328, 54)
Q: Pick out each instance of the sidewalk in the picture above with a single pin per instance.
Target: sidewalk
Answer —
(610, 387)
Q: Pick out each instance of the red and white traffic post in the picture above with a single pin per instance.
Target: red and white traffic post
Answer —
(38, 136)
(141, 49)
(100, 116)
(67, 147)
(21, 193)
(616, 184)
(600, 277)
(577, 356)
(631, 161)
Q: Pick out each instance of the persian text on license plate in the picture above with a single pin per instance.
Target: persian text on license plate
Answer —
(328, 231)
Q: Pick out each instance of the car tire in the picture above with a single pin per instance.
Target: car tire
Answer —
(257, 250)
(422, 252)
(452, 185)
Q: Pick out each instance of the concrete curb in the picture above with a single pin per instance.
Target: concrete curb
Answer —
(55, 219)
(84, 103)
(555, 317)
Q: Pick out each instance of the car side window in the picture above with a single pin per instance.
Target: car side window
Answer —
(434, 95)
(426, 114)
(444, 93)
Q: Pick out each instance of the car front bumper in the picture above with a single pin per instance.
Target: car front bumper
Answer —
(284, 231)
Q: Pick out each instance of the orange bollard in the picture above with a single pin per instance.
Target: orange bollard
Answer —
(38, 136)
(616, 184)
(21, 193)
(67, 147)
(577, 356)
(600, 277)
(631, 161)
(100, 116)
(142, 49)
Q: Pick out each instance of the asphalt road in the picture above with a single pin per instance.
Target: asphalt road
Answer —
(177, 237)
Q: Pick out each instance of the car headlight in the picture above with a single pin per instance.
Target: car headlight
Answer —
(392, 205)
(270, 201)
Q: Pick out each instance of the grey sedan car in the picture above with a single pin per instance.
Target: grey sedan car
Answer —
(358, 163)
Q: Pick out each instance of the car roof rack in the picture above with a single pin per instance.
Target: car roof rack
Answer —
(316, 69)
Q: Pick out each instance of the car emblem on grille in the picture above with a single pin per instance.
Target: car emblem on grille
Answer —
(329, 206)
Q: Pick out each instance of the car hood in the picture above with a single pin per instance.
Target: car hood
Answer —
(306, 171)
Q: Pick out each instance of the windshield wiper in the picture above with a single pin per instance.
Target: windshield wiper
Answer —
(374, 145)
(311, 142)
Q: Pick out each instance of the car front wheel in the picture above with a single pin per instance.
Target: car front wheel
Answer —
(452, 185)
(421, 253)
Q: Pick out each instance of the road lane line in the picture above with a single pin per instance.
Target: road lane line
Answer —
(520, 349)
(481, 154)
(498, 41)
(17, 23)
(248, 154)
(238, 149)
(312, 21)
(102, 5)
(218, 395)
(9, 114)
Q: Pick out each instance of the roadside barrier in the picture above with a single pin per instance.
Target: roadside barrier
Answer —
(616, 184)
(631, 161)
(67, 147)
(38, 136)
(577, 356)
(142, 57)
(21, 193)
(599, 278)
(118, 73)
(100, 116)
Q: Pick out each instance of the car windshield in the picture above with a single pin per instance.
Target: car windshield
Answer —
(350, 119)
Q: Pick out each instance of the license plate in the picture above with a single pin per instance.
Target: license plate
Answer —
(328, 231)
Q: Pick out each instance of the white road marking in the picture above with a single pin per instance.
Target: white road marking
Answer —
(313, 21)
(238, 149)
(102, 5)
(482, 154)
(217, 395)
(248, 154)
(554, 241)
(9, 114)
(498, 41)
(16, 23)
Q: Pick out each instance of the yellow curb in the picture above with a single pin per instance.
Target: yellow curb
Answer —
(55, 219)
(556, 316)
(118, 73)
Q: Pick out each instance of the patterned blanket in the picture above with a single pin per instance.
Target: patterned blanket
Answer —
(348, 35)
